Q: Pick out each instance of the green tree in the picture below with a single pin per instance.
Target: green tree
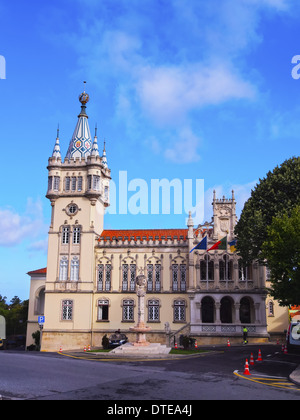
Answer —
(282, 251)
(275, 194)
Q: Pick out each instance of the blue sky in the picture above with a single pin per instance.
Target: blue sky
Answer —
(180, 89)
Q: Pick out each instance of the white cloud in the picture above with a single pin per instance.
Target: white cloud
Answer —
(169, 93)
(16, 228)
(185, 148)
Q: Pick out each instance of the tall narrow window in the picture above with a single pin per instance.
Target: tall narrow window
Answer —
(153, 310)
(105, 193)
(67, 183)
(107, 277)
(100, 277)
(125, 277)
(128, 310)
(206, 269)
(150, 277)
(157, 277)
(63, 269)
(67, 310)
(76, 235)
(56, 182)
(65, 234)
(179, 310)
(103, 310)
(79, 183)
(96, 182)
(74, 276)
(175, 277)
(132, 277)
(225, 267)
(73, 183)
(89, 182)
(243, 272)
(182, 277)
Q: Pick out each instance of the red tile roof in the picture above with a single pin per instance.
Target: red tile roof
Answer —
(142, 233)
(40, 271)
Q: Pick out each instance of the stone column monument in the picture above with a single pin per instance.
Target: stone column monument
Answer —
(141, 329)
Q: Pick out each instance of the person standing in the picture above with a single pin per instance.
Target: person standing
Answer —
(245, 335)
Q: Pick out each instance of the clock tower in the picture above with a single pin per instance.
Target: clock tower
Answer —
(78, 190)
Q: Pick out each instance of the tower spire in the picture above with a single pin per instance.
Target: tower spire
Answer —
(95, 151)
(104, 159)
(80, 145)
(56, 151)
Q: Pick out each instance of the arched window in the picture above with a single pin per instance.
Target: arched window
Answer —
(245, 310)
(208, 309)
(226, 310)
(40, 302)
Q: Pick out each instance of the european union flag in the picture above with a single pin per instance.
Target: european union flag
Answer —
(201, 245)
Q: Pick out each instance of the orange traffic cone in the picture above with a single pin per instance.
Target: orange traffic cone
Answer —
(246, 371)
(282, 348)
(251, 359)
(196, 345)
(285, 350)
(228, 343)
(259, 359)
(176, 346)
(84, 349)
(89, 348)
(60, 349)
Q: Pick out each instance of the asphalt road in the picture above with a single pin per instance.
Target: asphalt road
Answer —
(211, 376)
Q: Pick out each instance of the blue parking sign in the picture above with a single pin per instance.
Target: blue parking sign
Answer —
(41, 319)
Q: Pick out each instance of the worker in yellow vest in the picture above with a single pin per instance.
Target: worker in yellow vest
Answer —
(245, 335)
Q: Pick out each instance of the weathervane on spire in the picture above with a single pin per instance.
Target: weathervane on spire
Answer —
(84, 97)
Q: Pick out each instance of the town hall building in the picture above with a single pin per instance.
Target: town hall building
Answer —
(88, 288)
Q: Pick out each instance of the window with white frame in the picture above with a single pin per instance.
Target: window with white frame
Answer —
(128, 310)
(76, 235)
(102, 313)
(65, 234)
(74, 275)
(63, 269)
(153, 310)
(179, 310)
(67, 310)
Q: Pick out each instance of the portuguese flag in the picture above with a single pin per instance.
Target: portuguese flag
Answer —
(221, 244)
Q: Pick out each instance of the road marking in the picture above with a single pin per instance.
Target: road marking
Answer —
(275, 381)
